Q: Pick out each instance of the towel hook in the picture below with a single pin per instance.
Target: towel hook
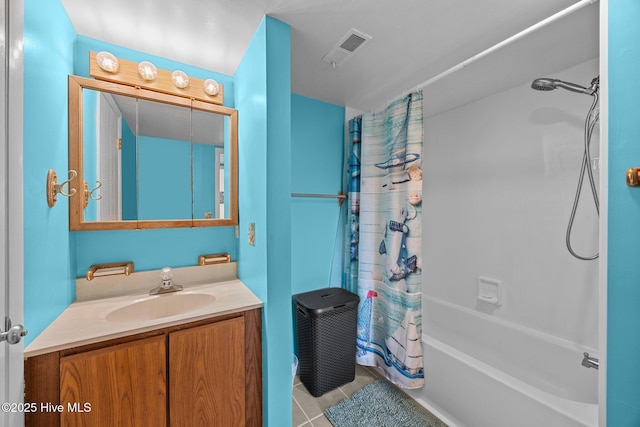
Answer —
(53, 188)
(88, 194)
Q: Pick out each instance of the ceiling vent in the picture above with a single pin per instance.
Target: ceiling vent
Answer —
(346, 47)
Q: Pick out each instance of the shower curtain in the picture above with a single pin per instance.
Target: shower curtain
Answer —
(384, 244)
(353, 221)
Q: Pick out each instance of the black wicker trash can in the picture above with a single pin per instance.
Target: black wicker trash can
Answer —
(326, 322)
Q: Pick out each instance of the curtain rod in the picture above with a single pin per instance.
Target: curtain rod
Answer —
(569, 10)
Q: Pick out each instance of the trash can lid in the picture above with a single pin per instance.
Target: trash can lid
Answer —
(326, 299)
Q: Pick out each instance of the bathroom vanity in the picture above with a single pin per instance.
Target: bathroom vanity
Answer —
(113, 361)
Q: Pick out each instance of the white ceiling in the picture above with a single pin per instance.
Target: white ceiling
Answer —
(413, 40)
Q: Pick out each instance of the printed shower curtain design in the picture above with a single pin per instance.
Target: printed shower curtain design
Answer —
(353, 221)
(385, 239)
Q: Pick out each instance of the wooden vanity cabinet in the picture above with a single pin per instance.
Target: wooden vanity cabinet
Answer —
(120, 385)
(205, 373)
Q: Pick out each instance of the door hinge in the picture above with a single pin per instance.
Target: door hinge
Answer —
(119, 143)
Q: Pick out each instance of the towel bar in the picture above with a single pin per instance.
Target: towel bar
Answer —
(340, 196)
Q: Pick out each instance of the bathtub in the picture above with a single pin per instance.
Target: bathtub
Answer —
(481, 371)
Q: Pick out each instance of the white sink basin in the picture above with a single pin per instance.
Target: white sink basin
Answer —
(159, 306)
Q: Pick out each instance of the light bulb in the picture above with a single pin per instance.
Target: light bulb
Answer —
(211, 87)
(180, 79)
(147, 71)
(107, 62)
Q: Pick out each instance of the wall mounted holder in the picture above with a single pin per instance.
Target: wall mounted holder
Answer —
(88, 194)
(633, 177)
(110, 269)
(53, 188)
(213, 259)
(490, 290)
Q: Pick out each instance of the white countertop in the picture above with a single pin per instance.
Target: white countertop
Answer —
(85, 322)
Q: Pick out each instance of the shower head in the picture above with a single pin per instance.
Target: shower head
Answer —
(546, 84)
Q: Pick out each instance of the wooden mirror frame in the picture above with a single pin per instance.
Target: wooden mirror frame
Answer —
(76, 201)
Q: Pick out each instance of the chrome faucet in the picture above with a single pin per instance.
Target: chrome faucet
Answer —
(590, 362)
(167, 285)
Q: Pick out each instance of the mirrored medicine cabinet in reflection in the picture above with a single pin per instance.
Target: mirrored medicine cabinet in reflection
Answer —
(149, 159)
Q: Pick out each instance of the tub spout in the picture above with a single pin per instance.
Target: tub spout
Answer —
(590, 362)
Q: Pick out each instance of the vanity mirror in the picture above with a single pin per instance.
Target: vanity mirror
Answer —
(147, 159)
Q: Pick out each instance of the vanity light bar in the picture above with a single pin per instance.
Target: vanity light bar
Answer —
(128, 73)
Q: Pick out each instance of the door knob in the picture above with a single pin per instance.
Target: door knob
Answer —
(633, 177)
(14, 333)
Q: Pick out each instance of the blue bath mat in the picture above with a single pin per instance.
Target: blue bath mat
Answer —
(381, 404)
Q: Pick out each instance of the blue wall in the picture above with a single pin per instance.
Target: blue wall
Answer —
(264, 100)
(129, 185)
(280, 329)
(164, 187)
(317, 151)
(49, 260)
(623, 322)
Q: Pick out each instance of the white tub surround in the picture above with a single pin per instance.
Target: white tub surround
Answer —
(86, 322)
(483, 371)
(507, 351)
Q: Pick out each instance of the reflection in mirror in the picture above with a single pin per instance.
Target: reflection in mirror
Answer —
(164, 161)
(160, 160)
(107, 135)
(219, 190)
(209, 139)
(146, 169)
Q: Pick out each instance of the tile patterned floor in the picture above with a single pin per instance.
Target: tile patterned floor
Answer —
(308, 411)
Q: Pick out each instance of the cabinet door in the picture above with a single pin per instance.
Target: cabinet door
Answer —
(207, 380)
(123, 385)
